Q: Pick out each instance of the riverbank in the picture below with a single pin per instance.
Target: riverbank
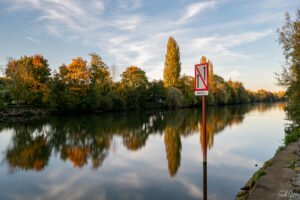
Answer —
(279, 178)
(33, 112)
(23, 111)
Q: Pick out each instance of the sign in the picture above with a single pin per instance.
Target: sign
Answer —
(201, 79)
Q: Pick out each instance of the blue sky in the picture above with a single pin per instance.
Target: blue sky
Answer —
(239, 36)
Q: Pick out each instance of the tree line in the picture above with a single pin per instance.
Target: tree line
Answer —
(83, 86)
(289, 39)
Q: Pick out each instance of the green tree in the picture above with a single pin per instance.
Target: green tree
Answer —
(133, 87)
(289, 38)
(101, 84)
(172, 64)
(57, 90)
(186, 85)
(238, 93)
(221, 91)
(156, 94)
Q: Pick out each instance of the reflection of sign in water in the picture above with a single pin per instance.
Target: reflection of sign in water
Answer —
(201, 79)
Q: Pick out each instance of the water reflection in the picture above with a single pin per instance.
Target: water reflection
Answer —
(88, 139)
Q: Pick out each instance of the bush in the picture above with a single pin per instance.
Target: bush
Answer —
(175, 98)
(118, 103)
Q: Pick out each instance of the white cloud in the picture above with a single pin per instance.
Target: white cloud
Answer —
(33, 40)
(126, 23)
(53, 30)
(99, 5)
(222, 43)
(244, 38)
(195, 8)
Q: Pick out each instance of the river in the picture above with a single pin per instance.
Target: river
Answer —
(138, 155)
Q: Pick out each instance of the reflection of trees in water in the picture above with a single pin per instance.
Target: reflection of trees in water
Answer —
(89, 138)
(173, 149)
(30, 149)
(219, 118)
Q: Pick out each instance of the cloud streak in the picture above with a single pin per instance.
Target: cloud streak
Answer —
(33, 40)
(195, 8)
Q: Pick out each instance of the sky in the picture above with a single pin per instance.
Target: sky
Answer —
(238, 36)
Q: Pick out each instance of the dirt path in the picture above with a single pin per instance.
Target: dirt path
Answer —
(277, 183)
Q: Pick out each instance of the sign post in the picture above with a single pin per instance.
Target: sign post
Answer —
(201, 89)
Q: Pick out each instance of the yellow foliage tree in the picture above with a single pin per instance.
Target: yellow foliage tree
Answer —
(172, 64)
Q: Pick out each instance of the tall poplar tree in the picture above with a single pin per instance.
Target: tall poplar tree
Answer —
(172, 64)
(211, 98)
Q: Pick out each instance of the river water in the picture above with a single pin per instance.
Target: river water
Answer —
(138, 155)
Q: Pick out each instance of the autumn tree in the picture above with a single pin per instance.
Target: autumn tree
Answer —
(134, 77)
(172, 64)
(289, 39)
(73, 81)
(100, 74)
(29, 77)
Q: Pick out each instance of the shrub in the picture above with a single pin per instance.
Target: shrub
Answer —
(175, 98)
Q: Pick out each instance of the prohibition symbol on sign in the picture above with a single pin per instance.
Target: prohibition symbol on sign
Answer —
(201, 79)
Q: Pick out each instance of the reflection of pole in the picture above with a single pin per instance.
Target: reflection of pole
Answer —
(204, 181)
(204, 144)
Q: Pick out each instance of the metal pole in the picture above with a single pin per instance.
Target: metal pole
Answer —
(204, 141)
(204, 129)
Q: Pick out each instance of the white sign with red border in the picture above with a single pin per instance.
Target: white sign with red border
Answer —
(201, 79)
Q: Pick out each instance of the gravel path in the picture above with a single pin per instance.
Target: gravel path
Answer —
(282, 179)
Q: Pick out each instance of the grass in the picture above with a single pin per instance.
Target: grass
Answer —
(244, 192)
(261, 172)
(292, 136)
(268, 163)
